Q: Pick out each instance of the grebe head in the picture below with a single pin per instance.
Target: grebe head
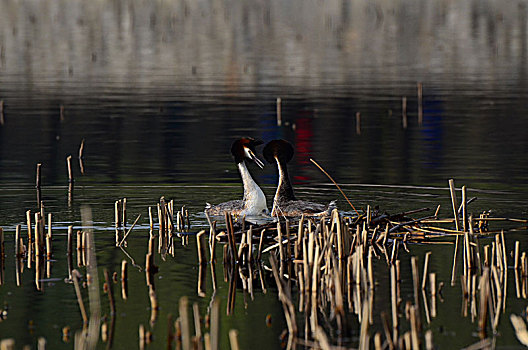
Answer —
(280, 149)
(244, 148)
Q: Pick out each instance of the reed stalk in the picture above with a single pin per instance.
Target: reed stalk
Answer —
(124, 279)
(415, 328)
(426, 265)
(363, 333)
(117, 213)
(110, 292)
(129, 230)
(76, 275)
(335, 183)
(261, 241)
(215, 324)
(48, 237)
(455, 212)
(394, 302)
(184, 320)
(154, 306)
(70, 172)
(38, 179)
(233, 339)
(200, 246)
(279, 111)
(19, 244)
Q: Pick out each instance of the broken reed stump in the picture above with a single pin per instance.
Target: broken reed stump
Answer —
(39, 235)
(197, 323)
(19, 243)
(123, 212)
(70, 171)
(69, 251)
(124, 279)
(7, 344)
(48, 238)
(233, 339)
(117, 213)
(81, 149)
(200, 245)
(38, 183)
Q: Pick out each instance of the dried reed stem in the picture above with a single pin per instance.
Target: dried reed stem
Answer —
(184, 319)
(124, 279)
(200, 246)
(76, 275)
(129, 230)
(455, 212)
(426, 265)
(233, 339)
(70, 172)
(279, 112)
(335, 183)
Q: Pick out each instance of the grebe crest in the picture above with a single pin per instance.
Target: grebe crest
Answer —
(254, 202)
(285, 203)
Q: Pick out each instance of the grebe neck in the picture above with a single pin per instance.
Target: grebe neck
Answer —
(284, 188)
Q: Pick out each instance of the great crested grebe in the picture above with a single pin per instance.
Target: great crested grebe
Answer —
(254, 202)
(284, 202)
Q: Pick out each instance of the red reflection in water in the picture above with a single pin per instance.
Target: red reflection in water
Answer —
(303, 144)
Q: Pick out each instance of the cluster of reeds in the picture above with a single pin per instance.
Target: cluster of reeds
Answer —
(180, 333)
(121, 232)
(323, 269)
(171, 225)
(326, 264)
(36, 250)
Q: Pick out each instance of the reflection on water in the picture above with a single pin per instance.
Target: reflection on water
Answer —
(154, 87)
(158, 91)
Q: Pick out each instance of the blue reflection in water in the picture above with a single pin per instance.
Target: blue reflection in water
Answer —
(432, 133)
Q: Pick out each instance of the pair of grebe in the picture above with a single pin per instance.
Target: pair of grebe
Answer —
(254, 202)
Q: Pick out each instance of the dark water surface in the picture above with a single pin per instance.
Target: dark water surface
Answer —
(159, 90)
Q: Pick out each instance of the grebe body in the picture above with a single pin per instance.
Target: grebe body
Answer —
(285, 203)
(254, 201)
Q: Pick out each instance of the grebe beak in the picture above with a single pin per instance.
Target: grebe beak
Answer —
(253, 157)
